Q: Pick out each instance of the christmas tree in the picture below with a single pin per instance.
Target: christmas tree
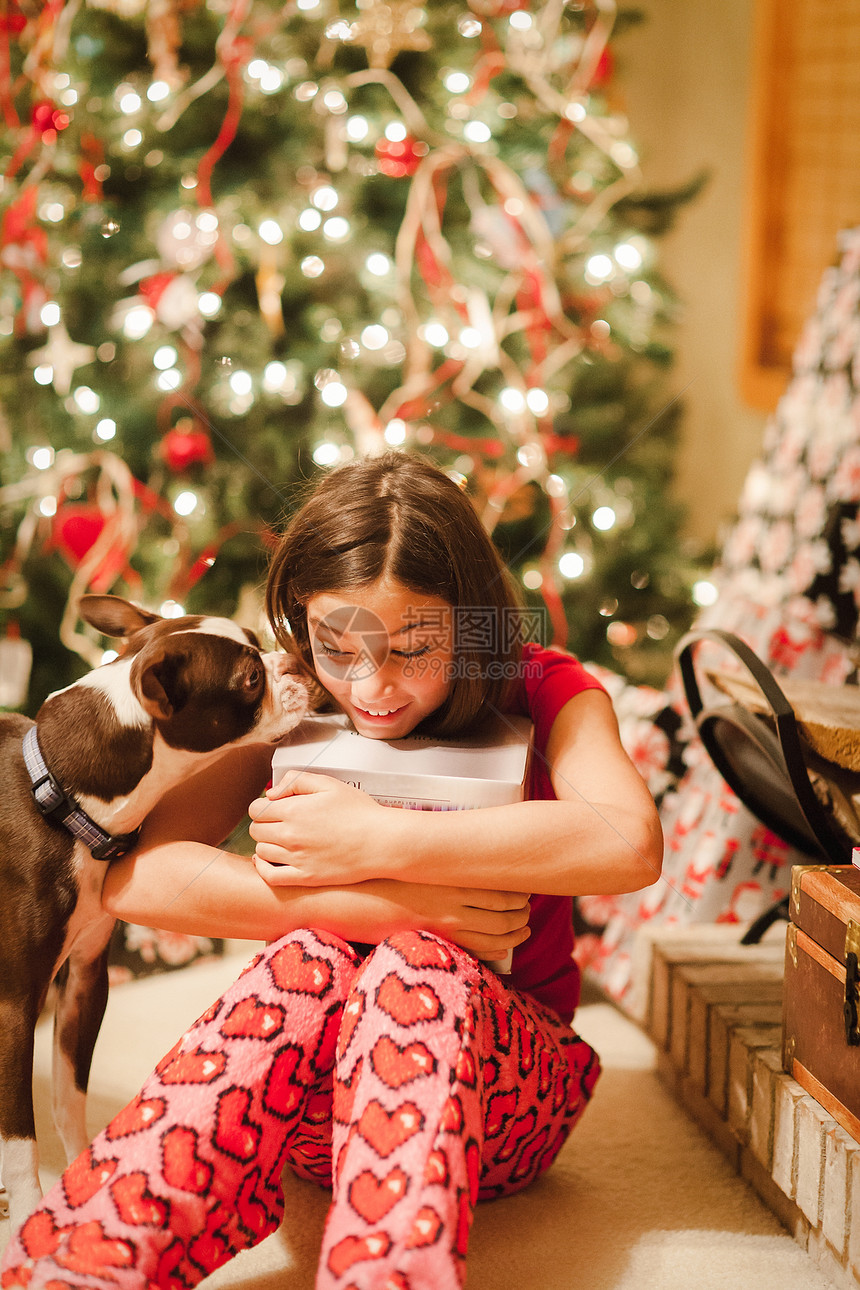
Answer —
(244, 241)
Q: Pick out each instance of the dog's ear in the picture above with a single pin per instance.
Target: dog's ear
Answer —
(158, 679)
(113, 616)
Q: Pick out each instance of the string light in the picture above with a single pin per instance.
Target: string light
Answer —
(165, 356)
(241, 382)
(326, 454)
(571, 565)
(325, 197)
(357, 129)
(705, 593)
(86, 399)
(271, 232)
(485, 344)
(336, 229)
(208, 303)
(185, 504)
(395, 432)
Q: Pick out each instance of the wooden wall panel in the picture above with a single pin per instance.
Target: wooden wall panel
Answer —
(804, 176)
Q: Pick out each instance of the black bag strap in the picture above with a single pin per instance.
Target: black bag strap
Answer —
(785, 751)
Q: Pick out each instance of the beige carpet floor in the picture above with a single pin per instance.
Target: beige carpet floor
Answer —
(639, 1199)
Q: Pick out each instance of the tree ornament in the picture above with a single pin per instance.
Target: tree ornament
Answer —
(16, 659)
(76, 528)
(386, 29)
(185, 445)
(63, 355)
(182, 244)
(399, 158)
(173, 298)
(49, 120)
(604, 69)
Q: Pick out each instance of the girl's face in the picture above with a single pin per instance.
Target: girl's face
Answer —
(384, 653)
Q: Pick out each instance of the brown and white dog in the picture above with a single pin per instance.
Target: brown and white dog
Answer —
(77, 784)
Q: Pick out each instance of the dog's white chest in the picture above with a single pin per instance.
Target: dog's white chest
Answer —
(89, 926)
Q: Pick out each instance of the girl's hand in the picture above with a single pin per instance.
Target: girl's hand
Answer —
(486, 923)
(313, 830)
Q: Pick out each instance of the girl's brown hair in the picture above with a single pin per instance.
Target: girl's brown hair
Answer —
(398, 515)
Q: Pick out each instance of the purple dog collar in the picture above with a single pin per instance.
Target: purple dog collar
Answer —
(58, 808)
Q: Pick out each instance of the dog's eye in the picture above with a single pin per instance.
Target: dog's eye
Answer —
(253, 679)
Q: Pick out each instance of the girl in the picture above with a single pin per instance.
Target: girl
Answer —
(368, 1047)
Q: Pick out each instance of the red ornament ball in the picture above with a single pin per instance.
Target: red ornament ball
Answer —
(76, 528)
(399, 158)
(187, 444)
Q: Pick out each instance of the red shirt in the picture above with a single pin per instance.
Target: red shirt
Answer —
(543, 967)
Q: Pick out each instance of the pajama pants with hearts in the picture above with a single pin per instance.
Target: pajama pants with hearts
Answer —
(412, 1082)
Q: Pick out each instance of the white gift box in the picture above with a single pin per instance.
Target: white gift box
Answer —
(419, 772)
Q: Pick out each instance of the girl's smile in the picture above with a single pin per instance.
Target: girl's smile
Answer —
(383, 653)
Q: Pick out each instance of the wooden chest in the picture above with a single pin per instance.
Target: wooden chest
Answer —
(821, 998)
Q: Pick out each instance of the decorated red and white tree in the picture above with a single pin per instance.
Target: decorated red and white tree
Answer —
(244, 241)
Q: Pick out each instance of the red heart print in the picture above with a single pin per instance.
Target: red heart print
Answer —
(464, 1222)
(84, 1177)
(283, 1094)
(174, 1272)
(136, 1204)
(466, 1071)
(425, 952)
(297, 972)
(137, 1116)
(408, 1004)
(253, 1214)
(372, 1198)
(529, 1164)
(385, 1131)
(208, 1251)
(345, 1090)
(343, 1154)
(452, 1119)
(194, 1067)
(397, 1066)
(180, 1163)
(501, 1028)
(525, 1037)
(426, 1229)
(39, 1235)
(473, 1169)
(89, 1251)
(235, 1133)
(396, 1282)
(500, 1110)
(437, 1168)
(253, 1019)
(355, 1249)
(17, 1276)
(521, 1129)
(352, 1015)
(546, 1075)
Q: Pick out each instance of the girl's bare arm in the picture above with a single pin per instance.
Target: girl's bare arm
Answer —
(179, 878)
